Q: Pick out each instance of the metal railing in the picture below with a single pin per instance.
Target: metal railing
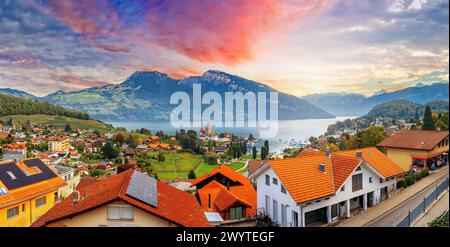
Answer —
(422, 207)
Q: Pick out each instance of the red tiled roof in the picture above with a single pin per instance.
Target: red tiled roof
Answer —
(226, 172)
(254, 165)
(414, 139)
(222, 197)
(174, 205)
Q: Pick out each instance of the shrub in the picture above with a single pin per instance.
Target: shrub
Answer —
(424, 173)
(417, 176)
(409, 180)
(401, 184)
(192, 175)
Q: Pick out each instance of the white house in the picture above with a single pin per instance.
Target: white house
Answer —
(318, 188)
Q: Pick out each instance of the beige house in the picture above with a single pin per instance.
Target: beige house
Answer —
(417, 148)
(129, 199)
(58, 144)
(72, 180)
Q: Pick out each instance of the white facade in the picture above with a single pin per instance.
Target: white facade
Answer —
(372, 184)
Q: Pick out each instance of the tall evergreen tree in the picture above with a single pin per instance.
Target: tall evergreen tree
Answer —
(254, 152)
(428, 123)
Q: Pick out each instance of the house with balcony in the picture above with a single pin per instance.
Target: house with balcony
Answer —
(417, 149)
(320, 188)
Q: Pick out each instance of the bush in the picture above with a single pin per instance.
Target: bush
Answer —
(401, 184)
(409, 180)
(417, 176)
(192, 175)
(424, 173)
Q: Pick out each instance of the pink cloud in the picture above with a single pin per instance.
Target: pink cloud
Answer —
(212, 31)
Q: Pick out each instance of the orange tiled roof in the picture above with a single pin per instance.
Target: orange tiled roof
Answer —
(4, 135)
(226, 172)
(15, 146)
(378, 160)
(305, 182)
(222, 197)
(414, 139)
(303, 179)
(174, 205)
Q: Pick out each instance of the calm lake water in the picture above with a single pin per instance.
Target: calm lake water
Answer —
(290, 132)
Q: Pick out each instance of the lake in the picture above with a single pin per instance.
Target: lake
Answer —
(289, 131)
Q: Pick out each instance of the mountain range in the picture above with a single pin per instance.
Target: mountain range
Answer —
(349, 104)
(145, 96)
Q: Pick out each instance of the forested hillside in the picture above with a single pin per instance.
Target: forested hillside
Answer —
(10, 105)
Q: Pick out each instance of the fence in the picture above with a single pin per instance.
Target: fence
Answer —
(412, 215)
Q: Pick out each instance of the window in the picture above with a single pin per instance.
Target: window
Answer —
(283, 189)
(12, 212)
(267, 180)
(275, 210)
(236, 213)
(41, 201)
(120, 213)
(343, 188)
(381, 180)
(275, 181)
(370, 180)
(11, 175)
(37, 169)
(294, 219)
(357, 182)
(284, 215)
(267, 204)
(23, 208)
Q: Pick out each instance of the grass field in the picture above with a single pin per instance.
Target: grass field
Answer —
(178, 165)
(58, 121)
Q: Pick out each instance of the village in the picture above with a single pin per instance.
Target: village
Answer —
(64, 176)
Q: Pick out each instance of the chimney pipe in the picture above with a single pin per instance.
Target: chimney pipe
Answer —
(359, 154)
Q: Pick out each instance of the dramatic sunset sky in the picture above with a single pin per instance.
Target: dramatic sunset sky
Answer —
(296, 46)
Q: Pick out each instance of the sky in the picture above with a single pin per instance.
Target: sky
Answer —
(296, 46)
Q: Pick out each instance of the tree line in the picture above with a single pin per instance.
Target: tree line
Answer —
(10, 105)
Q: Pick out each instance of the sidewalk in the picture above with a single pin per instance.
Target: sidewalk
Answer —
(397, 198)
(437, 210)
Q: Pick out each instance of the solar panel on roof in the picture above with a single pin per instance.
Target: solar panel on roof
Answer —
(143, 188)
(21, 178)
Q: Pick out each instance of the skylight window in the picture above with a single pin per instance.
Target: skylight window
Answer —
(37, 169)
(11, 175)
(3, 191)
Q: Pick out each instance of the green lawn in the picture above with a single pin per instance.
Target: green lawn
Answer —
(59, 121)
(178, 165)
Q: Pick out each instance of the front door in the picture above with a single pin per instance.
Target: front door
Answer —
(369, 199)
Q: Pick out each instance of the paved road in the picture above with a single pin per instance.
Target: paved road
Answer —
(388, 219)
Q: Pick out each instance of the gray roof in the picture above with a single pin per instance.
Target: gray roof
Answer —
(12, 155)
(62, 169)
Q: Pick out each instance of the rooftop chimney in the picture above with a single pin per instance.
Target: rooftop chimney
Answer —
(359, 154)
